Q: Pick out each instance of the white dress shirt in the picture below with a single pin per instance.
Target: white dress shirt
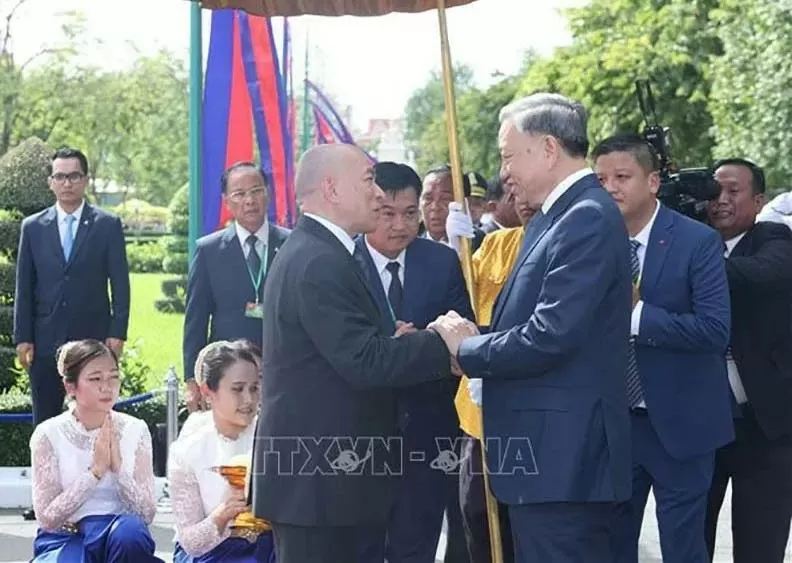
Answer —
(381, 264)
(643, 238)
(63, 225)
(426, 235)
(563, 186)
(262, 235)
(734, 374)
(339, 233)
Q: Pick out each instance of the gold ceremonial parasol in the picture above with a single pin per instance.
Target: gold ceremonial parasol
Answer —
(273, 8)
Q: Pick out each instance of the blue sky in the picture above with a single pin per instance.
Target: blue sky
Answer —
(372, 64)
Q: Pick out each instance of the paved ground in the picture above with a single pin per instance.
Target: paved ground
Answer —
(16, 537)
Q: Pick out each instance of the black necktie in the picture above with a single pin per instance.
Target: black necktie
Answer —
(395, 291)
(253, 258)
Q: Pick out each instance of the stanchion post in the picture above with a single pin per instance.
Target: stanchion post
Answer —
(172, 393)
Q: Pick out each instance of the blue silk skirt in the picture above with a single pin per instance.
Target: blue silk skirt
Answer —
(123, 538)
(233, 550)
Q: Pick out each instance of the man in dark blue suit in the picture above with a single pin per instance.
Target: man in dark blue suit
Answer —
(415, 280)
(677, 387)
(228, 271)
(556, 423)
(67, 255)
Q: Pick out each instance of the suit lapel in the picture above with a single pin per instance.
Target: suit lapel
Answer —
(320, 231)
(374, 283)
(534, 232)
(236, 257)
(52, 234)
(660, 239)
(83, 230)
(273, 245)
(743, 248)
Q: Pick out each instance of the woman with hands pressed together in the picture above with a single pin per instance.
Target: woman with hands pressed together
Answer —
(204, 504)
(93, 478)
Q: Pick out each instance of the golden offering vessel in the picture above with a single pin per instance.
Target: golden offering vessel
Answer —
(236, 472)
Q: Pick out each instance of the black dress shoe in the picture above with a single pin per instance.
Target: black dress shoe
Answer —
(29, 514)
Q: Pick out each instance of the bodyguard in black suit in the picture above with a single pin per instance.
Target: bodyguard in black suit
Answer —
(759, 461)
(227, 274)
(67, 255)
(415, 280)
(328, 441)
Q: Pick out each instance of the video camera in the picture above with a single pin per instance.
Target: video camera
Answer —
(688, 190)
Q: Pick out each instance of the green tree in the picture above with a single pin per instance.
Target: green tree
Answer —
(427, 104)
(616, 42)
(751, 83)
(12, 70)
(132, 124)
(477, 121)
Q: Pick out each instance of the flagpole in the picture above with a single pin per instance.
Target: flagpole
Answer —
(466, 254)
(196, 89)
(306, 118)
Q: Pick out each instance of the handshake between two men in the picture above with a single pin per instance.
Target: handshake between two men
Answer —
(452, 328)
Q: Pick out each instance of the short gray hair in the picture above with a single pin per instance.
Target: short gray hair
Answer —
(554, 115)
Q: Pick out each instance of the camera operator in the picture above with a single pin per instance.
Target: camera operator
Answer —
(677, 386)
(759, 461)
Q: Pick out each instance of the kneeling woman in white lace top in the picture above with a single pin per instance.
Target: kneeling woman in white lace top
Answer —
(93, 478)
(204, 505)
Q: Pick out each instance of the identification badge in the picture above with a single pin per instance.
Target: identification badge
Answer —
(254, 311)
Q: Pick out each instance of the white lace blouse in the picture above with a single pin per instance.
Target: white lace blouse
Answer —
(65, 490)
(195, 489)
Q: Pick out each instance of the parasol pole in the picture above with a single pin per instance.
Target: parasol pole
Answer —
(466, 254)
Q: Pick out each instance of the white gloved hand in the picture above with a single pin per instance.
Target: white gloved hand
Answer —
(474, 390)
(458, 225)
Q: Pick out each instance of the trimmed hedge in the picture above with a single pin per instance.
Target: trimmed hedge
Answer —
(10, 228)
(174, 287)
(24, 174)
(145, 257)
(24, 190)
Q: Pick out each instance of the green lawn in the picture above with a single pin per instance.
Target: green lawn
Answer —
(158, 335)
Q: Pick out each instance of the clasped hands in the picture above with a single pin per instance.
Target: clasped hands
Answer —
(451, 327)
(107, 451)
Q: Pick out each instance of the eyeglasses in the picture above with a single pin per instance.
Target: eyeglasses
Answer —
(240, 195)
(71, 177)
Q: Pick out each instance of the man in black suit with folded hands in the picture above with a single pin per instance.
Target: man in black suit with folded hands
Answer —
(330, 365)
(759, 461)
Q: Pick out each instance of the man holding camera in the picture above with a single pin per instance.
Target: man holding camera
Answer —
(677, 387)
(759, 461)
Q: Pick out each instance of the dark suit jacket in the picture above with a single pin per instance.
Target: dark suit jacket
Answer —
(433, 285)
(683, 335)
(554, 363)
(330, 364)
(218, 288)
(759, 270)
(58, 301)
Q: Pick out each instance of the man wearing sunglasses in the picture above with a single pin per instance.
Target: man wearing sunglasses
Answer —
(228, 270)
